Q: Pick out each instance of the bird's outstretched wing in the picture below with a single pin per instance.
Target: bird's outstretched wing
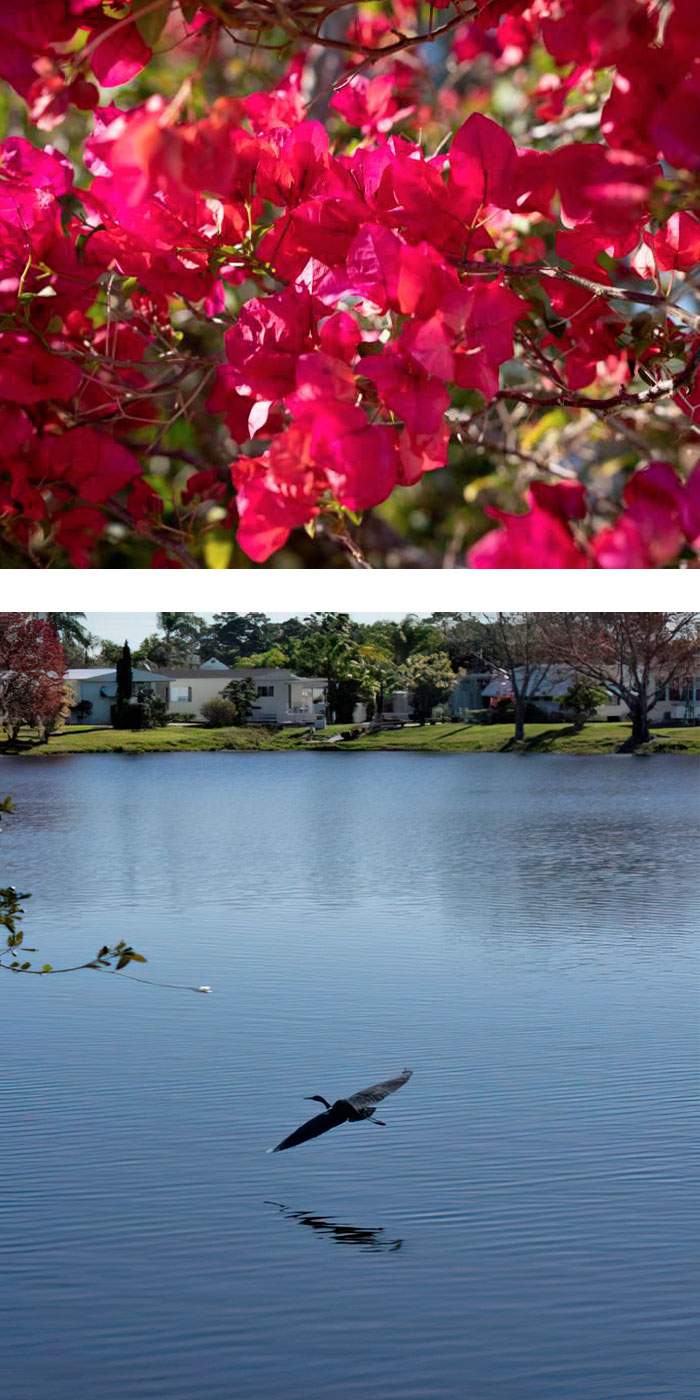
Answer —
(367, 1097)
(320, 1123)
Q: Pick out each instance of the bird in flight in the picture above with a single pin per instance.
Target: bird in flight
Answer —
(356, 1109)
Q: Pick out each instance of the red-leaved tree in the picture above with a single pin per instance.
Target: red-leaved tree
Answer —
(475, 277)
(32, 669)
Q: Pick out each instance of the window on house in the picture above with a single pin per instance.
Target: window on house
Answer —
(265, 691)
(682, 690)
(180, 694)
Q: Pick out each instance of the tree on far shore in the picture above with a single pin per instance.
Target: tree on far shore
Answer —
(582, 700)
(430, 679)
(242, 696)
(33, 692)
(516, 651)
(635, 656)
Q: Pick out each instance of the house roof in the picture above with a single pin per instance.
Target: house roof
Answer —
(261, 673)
(88, 673)
(279, 673)
(108, 673)
(211, 673)
(553, 681)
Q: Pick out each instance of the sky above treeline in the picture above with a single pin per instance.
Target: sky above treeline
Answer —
(134, 627)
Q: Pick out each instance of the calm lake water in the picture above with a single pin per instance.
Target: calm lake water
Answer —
(521, 931)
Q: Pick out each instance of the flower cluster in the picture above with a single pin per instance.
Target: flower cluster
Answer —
(661, 516)
(337, 308)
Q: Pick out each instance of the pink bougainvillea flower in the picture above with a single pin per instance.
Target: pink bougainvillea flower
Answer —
(340, 336)
(370, 104)
(336, 291)
(78, 530)
(264, 346)
(650, 531)
(275, 494)
(690, 508)
(117, 56)
(541, 538)
(483, 162)
(357, 457)
(416, 398)
(677, 244)
(676, 125)
(90, 461)
(608, 188)
(31, 375)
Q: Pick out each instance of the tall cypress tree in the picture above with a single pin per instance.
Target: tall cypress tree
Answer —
(125, 677)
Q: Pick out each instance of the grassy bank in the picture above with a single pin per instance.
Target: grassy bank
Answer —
(432, 738)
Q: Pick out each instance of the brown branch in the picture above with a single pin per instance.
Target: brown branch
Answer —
(338, 531)
(604, 290)
(161, 541)
(567, 398)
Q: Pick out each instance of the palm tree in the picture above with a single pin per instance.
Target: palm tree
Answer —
(72, 633)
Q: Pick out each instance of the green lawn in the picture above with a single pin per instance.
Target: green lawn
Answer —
(432, 738)
(539, 738)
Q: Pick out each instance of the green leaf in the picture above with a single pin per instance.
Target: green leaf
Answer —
(218, 548)
(47, 967)
(152, 24)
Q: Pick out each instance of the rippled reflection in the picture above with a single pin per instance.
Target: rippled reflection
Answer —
(370, 1241)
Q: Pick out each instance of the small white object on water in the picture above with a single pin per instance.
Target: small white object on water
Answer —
(201, 989)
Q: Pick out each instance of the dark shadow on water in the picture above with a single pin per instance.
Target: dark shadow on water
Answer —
(369, 1241)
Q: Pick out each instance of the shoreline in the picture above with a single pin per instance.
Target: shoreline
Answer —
(594, 740)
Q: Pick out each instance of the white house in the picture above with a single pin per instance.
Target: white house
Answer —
(281, 696)
(547, 687)
(396, 709)
(96, 686)
(679, 702)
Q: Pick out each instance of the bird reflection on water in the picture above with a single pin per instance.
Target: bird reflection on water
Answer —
(370, 1241)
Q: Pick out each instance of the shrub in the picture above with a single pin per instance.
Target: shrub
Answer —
(219, 713)
(483, 716)
(158, 712)
(129, 715)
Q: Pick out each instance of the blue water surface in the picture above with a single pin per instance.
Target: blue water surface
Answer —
(521, 931)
